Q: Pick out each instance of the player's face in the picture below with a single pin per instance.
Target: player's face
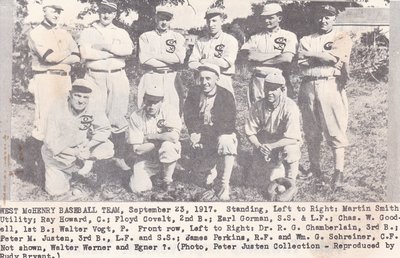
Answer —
(272, 93)
(208, 81)
(272, 21)
(51, 15)
(214, 24)
(326, 23)
(152, 107)
(163, 21)
(106, 17)
(79, 100)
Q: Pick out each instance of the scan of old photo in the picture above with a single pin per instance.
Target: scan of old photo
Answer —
(193, 101)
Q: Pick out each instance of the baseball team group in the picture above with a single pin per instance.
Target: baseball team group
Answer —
(80, 122)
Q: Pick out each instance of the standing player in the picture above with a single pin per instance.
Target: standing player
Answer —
(105, 47)
(154, 134)
(269, 52)
(210, 115)
(54, 50)
(324, 57)
(217, 48)
(74, 132)
(161, 52)
(273, 128)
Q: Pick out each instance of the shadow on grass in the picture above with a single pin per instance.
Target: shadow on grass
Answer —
(27, 154)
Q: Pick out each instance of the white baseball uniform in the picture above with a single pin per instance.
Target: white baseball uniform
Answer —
(112, 91)
(67, 130)
(277, 42)
(147, 165)
(151, 45)
(51, 81)
(223, 46)
(322, 100)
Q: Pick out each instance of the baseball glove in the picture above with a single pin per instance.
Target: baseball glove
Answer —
(282, 190)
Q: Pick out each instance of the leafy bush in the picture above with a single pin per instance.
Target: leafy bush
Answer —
(369, 63)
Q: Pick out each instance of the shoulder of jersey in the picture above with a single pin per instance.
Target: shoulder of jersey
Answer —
(291, 103)
(230, 37)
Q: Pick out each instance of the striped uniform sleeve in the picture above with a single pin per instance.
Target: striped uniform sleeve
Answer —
(253, 122)
(292, 122)
(135, 133)
(180, 50)
(231, 50)
(291, 44)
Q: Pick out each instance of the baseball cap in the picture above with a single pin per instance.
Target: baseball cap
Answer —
(82, 85)
(108, 5)
(162, 9)
(327, 10)
(211, 12)
(56, 4)
(210, 67)
(270, 9)
(274, 80)
(153, 93)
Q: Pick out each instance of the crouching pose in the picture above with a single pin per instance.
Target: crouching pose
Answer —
(154, 134)
(273, 128)
(210, 113)
(74, 133)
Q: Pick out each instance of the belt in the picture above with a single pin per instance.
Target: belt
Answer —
(316, 78)
(162, 71)
(56, 72)
(106, 71)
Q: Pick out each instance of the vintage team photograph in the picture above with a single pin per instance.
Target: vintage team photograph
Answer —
(199, 101)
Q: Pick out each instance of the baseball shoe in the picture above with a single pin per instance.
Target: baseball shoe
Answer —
(167, 187)
(307, 174)
(121, 164)
(223, 193)
(72, 195)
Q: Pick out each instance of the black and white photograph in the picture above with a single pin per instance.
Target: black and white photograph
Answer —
(199, 101)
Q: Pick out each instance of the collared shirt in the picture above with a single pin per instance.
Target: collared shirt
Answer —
(98, 34)
(336, 43)
(222, 45)
(67, 130)
(283, 121)
(141, 124)
(46, 39)
(206, 105)
(153, 44)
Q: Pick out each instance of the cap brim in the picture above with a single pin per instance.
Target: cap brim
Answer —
(272, 85)
(106, 8)
(165, 13)
(152, 98)
(210, 15)
(206, 68)
(56, 7)
(80, 88)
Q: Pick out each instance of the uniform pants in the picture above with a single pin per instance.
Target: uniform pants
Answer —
(255, 92)
(111, 96)
(214, 149)
(273, 168)
(48, 89)
(172, 86)
(150, 164)
(324, 107)
(58, 170)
